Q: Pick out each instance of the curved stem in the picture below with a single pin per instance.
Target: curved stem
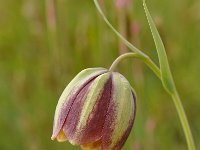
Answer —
(148, 62)
(139, 53)
(152, 66)
(120, 58)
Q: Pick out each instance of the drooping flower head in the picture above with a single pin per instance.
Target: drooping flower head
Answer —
(96, 110)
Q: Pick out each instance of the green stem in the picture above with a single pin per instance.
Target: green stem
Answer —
(184, 121)
(148, 62)
(127, 43)
(139, 53)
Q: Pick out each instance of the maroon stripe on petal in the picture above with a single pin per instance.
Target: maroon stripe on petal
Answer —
(73, 116)
(67, 106)
(110, 125)
(93, 130)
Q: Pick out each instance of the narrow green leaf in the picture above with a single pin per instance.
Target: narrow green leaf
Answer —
(166, 76)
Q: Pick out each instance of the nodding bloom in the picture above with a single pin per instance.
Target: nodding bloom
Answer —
(96, 110)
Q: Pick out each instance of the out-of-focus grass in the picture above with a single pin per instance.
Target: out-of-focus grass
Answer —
(38, 59)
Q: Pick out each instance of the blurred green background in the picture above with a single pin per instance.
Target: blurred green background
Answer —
(44, 44)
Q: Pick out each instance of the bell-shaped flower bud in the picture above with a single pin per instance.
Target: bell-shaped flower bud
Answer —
(96, 110)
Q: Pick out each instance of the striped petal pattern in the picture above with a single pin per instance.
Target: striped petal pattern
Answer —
(120, 116)
(96, 110)
(87, 115)
(69, 95)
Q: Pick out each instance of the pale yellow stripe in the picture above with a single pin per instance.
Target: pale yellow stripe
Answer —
(123, 99)
(94, 94)
(73, 87)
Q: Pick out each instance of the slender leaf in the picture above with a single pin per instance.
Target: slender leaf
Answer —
(166, 76)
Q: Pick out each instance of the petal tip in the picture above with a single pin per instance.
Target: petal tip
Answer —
(52, 138)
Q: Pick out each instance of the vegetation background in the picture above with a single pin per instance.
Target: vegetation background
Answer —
(44, 44)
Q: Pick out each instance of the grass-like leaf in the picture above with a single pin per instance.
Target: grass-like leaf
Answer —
(166, 76)
(167, 79)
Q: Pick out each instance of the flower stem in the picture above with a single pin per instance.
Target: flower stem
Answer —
(120, 58)
(139, 53)
(184, 121)
(127, 43)
(147, 60)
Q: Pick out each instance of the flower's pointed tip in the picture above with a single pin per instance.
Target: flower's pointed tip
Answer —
(58, 139)
(52, 137)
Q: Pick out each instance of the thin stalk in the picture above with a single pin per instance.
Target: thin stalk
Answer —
(127, 43)
(139, 53)
(148, 62)
(184, 121)
(120, 58)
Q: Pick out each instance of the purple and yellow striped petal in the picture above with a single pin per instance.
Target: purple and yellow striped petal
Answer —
(71, 92)
(87, 115)
(96, 110)
(120, 115)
